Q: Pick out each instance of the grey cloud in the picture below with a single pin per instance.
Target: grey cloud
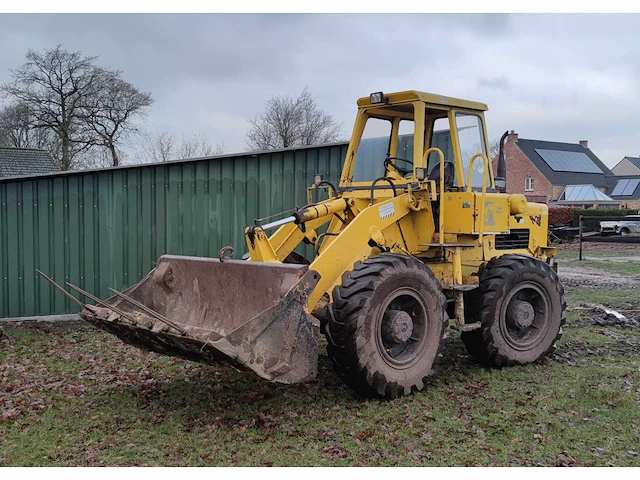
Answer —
(499, 83)
(485, 24)
(556, 77)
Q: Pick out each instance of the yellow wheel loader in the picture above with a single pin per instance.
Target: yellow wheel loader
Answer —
(417, 237)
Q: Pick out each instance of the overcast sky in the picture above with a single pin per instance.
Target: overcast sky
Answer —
(549, 77)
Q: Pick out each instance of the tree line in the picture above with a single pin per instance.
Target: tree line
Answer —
(85, 114)
(65, 103)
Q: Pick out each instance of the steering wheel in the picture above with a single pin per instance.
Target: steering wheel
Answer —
(388, 163)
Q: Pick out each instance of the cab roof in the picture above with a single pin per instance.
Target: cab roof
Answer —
(432, 98)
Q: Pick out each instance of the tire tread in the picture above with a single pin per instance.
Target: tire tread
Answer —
(346, 351)
(481, 343)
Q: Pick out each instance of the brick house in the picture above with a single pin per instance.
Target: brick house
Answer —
(541, 170)
(627, 166)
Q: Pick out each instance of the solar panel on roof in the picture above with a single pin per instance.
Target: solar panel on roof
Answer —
(625, 187)
(620, 186)
(631, 187)
(562, 161)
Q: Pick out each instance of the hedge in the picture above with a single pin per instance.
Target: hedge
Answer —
(561, 215)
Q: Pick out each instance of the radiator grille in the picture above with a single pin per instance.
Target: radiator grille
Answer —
(518, 238)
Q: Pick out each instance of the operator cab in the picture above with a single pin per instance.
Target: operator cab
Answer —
(393, 130)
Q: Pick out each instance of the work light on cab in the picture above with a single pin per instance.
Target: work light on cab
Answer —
(376, 97)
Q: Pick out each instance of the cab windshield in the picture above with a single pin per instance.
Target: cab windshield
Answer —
(375, 149)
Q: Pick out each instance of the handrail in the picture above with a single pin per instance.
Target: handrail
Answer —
(386, 179)
(424, 162)
(334, 190)
(484, 188)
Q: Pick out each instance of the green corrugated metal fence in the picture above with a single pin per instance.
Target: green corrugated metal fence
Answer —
(106, 228)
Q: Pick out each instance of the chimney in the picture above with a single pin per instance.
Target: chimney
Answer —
(512, 137)
(584, 143)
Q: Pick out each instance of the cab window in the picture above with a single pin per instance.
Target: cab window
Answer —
(405, 143)
(372, 150)
(471, 139)
(440, 138)
(378, 139)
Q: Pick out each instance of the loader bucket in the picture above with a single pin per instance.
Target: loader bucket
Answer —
(248, 313)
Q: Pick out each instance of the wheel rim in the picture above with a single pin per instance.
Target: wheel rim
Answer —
(402, 328)
(524, 316)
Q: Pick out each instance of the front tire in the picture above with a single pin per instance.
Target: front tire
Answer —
(520, 305)
(388, 324)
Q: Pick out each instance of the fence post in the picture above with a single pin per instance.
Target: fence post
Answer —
(580, 257)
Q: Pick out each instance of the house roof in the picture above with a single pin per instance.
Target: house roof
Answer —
(583, 194)
(17, 162)
(625, 187)
(634, 160)
(566, 163)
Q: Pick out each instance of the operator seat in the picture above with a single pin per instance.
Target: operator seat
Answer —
(449, 172)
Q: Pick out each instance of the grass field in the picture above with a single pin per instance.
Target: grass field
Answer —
(84, 398)
(610, 258)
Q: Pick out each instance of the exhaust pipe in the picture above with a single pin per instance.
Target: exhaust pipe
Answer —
(501, 179)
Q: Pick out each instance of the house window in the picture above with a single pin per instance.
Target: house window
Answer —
(528, 184)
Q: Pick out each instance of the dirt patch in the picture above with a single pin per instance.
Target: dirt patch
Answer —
(587, 277)
(601, 316)
(573, 350)
(615, 323)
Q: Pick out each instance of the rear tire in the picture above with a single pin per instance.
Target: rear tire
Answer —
(388, 324)
(520, 304)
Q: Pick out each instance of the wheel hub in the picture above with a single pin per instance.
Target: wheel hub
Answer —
(397, 326)
(521, 313)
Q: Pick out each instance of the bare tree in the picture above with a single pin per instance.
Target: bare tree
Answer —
(112, 109)
(54, 85)
(163, 146)
(197, 145)
(494, 148)
(290, 122)
(17, 129)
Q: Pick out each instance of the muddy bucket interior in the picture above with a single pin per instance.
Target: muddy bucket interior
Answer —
(207, 310)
